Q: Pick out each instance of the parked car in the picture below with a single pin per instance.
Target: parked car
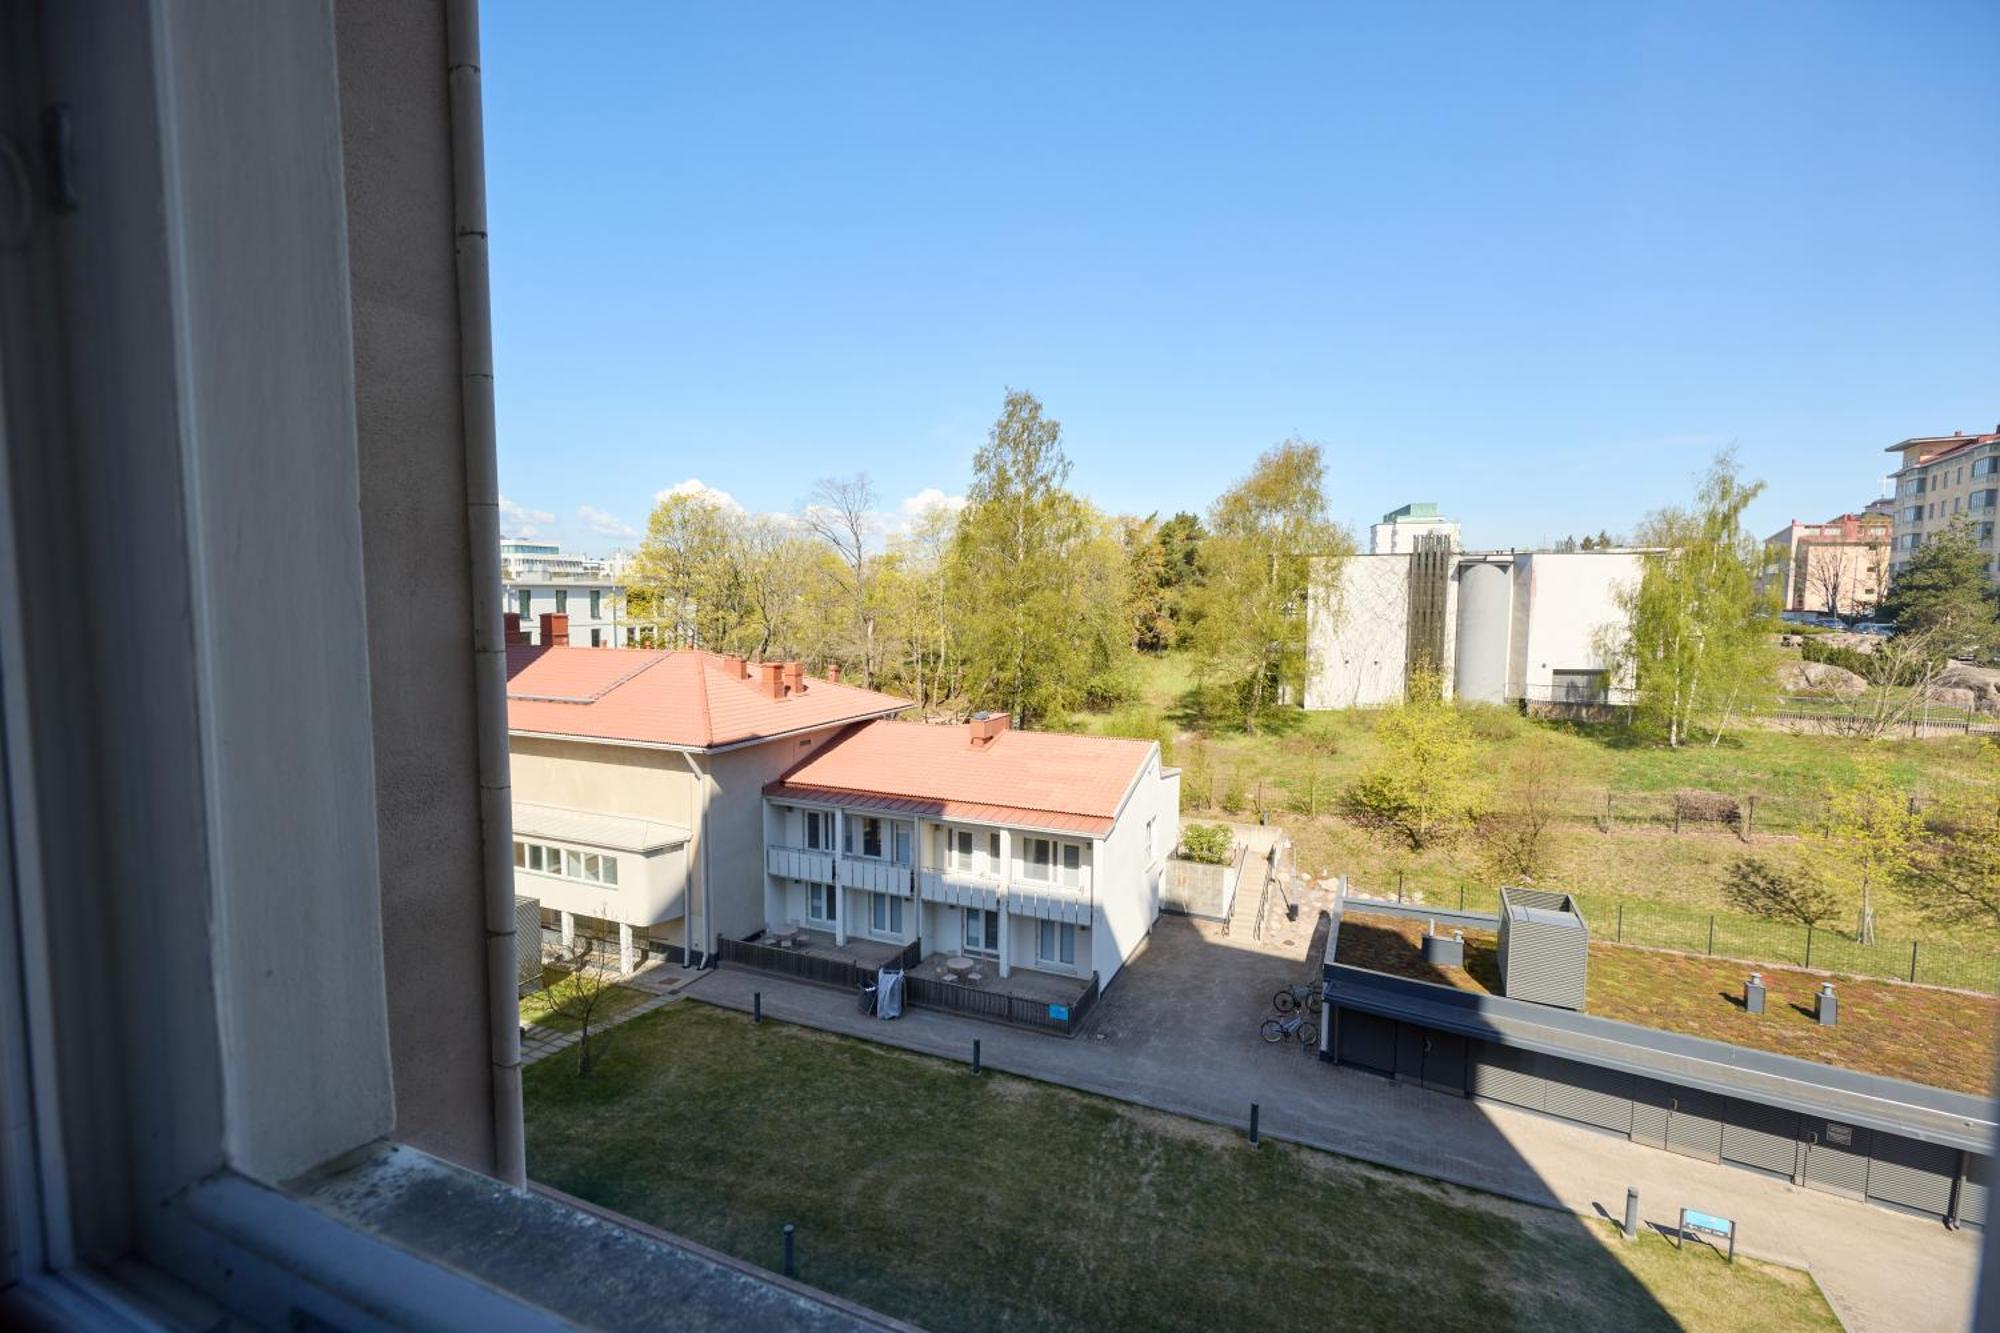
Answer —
(1879, 628)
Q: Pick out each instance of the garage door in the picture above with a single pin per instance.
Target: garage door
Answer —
(1588, 1094)
(1504, 1074)
(1694, 1123)
(1761, 1137)
(1836, 1156)
(1652, 1103)
(1912, 1175)
(1368, 1041)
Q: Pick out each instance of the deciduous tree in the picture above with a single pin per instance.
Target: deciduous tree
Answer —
(1865, 836)
(1419, 785)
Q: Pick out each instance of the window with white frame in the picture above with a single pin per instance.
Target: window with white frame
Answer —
(961, 849)
(822, 903)
(1046, 861)
(1055, 944)
(982, 931)
(1152, 841)
(885, 914)
(819, 830)
(566, 862)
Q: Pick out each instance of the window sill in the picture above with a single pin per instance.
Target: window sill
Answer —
(390, 1237)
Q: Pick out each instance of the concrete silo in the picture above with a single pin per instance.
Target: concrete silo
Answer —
(1485, 613)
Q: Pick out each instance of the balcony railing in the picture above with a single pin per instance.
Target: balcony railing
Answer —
(1054, 901)
(800, 863)
(875, 876)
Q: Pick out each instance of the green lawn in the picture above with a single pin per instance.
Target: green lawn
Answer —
(615, 1000)
(1305, 760)
(999, 1203)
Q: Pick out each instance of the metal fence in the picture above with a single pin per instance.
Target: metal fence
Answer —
(1003, 1006)
(806, 966)
(1748, 939)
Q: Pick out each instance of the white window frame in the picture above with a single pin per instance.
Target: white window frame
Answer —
(886, 915)
(822, 903)
(981, 917)
(1059, 933)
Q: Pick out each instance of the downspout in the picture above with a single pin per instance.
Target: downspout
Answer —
(482, 507)
(688, 936)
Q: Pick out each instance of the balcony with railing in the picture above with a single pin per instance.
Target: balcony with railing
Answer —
(803, 863)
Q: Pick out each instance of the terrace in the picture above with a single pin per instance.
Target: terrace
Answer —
(1942, 1038)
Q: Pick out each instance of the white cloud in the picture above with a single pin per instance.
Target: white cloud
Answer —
(604, 524)
(696, 486)
(518, 520)
(927, 499)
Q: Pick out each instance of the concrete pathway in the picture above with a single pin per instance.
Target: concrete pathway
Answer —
(1177, 1032)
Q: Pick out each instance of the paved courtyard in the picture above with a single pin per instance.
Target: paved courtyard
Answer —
(1177, 1031)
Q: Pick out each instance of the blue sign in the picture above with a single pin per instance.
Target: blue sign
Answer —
(1721, 1226)
(1059, 1012)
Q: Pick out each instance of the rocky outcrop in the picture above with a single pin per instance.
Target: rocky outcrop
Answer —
(1818, 678)
(1963, 685)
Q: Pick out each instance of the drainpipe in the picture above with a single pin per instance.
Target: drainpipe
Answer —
(482, 504)
(688, 936)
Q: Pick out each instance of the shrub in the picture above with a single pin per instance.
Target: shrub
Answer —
(1864, 665)
(1491, 722)
(1706, 807)
(1419, 785)
(1235, 797)
(1209, 844)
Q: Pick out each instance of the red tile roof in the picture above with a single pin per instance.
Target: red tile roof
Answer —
(1043, 779)
(683, 698)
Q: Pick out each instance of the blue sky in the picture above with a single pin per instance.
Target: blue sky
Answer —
(1533, 262)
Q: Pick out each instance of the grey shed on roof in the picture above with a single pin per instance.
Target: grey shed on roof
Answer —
(1544, 948)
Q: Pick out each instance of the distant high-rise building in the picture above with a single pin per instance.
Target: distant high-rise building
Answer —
(1399, 529)
(1942, 478)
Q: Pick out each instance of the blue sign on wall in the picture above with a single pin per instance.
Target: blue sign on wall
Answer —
(1059, 1012)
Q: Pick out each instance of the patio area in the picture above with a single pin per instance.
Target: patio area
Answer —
(809, 943)
(984, 975)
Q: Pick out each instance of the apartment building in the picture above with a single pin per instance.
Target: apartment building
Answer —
(1035, 852)
(1943, 478)
(1839, 567)
(539, 578)
(1399, 530)
(638, 783)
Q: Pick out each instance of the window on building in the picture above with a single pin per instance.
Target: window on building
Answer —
(982, 931)
(1055, 944)
(562, 602)
(1986, 467)
(596, 604)
(961, 849)
(597, 638)
(885, 914)
(871, 836)
(822, 903)
(589, 867)
(1577, 686)
(1038, 856)
(1152, 840)
(819, 830)
(1072, 863)
(1985, 532)
(523, 601)
(901, 839)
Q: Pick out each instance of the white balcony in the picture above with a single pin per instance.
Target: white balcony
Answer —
(858, 872)
(799, 863)
(1041, 899)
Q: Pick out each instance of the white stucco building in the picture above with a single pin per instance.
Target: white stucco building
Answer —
(1516, 626)
(1399, 529)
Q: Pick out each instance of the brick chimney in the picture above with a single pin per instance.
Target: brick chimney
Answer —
(986, 727)
(833, 673)
(555, 630)
(795, 678)
(514, 634)
(771, 679)
(732, 666)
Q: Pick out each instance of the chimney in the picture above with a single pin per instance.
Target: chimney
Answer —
(514, 634)
(795, 678)
(986, 727)
(833, 673)
(771, 679)
(732, 666)
(555, 630)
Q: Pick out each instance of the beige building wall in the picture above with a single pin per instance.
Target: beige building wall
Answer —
(1945, 479)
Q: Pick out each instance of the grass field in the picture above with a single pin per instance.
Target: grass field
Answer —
(1944, 1038)
(614, 1001)
(999, 1203)
(1305, 760)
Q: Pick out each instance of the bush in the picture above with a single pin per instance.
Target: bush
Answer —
(1235, 796)
(1491, 722)
(1864, 665)
(1209, 844)
(1706, 807)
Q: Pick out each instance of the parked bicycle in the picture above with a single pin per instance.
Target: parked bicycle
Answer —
(1298, 1027)
(1297, 997)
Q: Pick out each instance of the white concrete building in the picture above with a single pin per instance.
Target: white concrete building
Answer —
(1399, 529)
(1516, 626)
(539, 578)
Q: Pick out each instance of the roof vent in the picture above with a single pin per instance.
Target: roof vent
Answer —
(794, 677)
(555, 629)
(986, 727)
(771, 679)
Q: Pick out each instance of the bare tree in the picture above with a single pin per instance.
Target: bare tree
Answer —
(1901, 672)
(1824, 581)
(1512, 833)
(576, 982)
(841, 512)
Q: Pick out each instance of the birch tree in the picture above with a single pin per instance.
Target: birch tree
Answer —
(1865, 836)
(841, 513)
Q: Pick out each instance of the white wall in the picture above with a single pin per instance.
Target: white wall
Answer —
(1357, 632)
(1563, 602)
(733, 902)
(1128, 873)
(650, 889)
(608, 622)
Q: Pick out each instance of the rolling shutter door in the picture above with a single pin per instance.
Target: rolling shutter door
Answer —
(1588, 1094)
(1367, 1041)
(1694, 1124)
(1972, 1191)
(1652, 1103)
(1910, 1174)
(1504, 1074)
(1836, 1156)
(1762, 1137)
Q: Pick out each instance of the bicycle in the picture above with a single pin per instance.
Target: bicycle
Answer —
(1298, 1027)
(1293, 997)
